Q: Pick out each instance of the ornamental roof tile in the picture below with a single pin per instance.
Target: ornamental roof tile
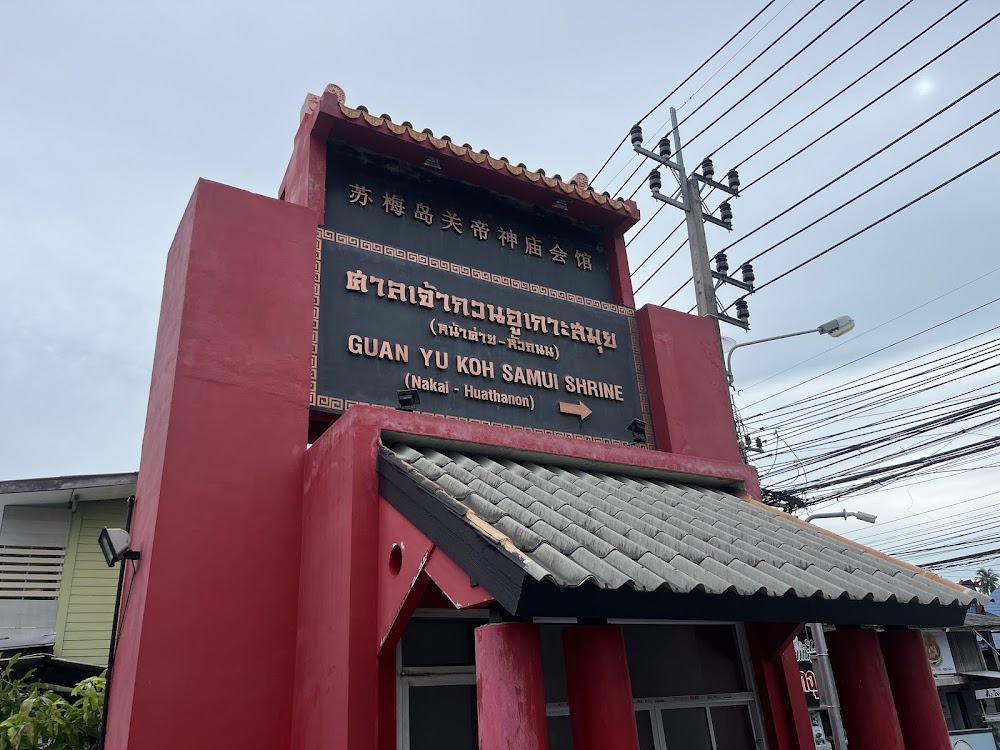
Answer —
(577, 187)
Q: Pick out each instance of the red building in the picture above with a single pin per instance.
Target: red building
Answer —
(504, 565)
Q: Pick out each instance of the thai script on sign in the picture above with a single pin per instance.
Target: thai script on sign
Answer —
(428, 296)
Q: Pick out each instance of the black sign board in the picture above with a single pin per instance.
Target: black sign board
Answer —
(482, 331)
(417, 209)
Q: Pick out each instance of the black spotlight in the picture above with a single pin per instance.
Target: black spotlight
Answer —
(408, 398)
(638, 429)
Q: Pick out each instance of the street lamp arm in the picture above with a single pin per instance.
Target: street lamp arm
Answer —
(845, 514)
(729, 357)
(835, 328)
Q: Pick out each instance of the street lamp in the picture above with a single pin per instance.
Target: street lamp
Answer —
(845, 514)
(834, 328)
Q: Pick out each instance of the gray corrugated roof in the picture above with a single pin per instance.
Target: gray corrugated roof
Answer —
(573, 527)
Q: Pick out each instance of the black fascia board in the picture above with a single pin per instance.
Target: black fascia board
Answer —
(544, 599)
(442, 520)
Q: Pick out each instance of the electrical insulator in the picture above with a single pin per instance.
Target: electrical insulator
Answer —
(734, 179)
(722, 263)
(760, 444)
(725, 212)
(665, 147)
(742, 310)
(746, 440)
(707, 168)
(654, 181)
(636, 135)
(748, 277)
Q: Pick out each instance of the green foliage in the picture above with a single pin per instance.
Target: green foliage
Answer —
(987, 580)
(36, 718)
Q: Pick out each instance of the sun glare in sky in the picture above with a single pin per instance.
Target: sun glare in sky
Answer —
(924, 86)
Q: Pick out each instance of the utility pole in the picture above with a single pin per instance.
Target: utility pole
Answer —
(704, 284)
(690, 203)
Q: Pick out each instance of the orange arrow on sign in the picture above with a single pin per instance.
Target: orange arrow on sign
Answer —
(579, 409)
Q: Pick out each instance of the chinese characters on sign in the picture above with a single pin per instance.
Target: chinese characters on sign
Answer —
(394, 204)
(424, 211)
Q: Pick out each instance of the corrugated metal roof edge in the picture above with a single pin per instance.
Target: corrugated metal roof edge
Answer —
(975, 596)
(503, 575)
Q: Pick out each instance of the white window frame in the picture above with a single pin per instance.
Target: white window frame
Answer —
(407, 677)
(466, 675)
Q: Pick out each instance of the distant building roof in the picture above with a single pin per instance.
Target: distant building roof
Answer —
(615, 544)
(57, 490)
(977, 621)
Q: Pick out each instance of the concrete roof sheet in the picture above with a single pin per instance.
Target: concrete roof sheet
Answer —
(575, 528)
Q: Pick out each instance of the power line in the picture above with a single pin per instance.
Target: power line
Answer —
(775, 72)
(875, 328)
(878, 98)
(860, 78)
(811, 78)
(879, 351)
(726, 84)
(851, 116)
(678, 87)
(874, 224)
(873, 155)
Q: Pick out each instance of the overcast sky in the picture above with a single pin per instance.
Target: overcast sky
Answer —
(111, 111)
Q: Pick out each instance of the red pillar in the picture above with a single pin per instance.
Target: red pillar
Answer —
(599, 690)
(336, 695)
(866, 702)
(786, 715)
(918, 706)
(217, 514)
(510, 687)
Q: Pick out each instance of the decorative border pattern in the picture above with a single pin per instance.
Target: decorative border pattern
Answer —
(444, 265)
(335, 403)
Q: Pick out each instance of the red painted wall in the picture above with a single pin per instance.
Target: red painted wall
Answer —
(688, 393)
(251, 545)
(217, 515)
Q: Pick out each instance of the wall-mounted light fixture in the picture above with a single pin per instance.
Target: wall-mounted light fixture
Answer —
(408, 398)
(638, 429)
(114, 544)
